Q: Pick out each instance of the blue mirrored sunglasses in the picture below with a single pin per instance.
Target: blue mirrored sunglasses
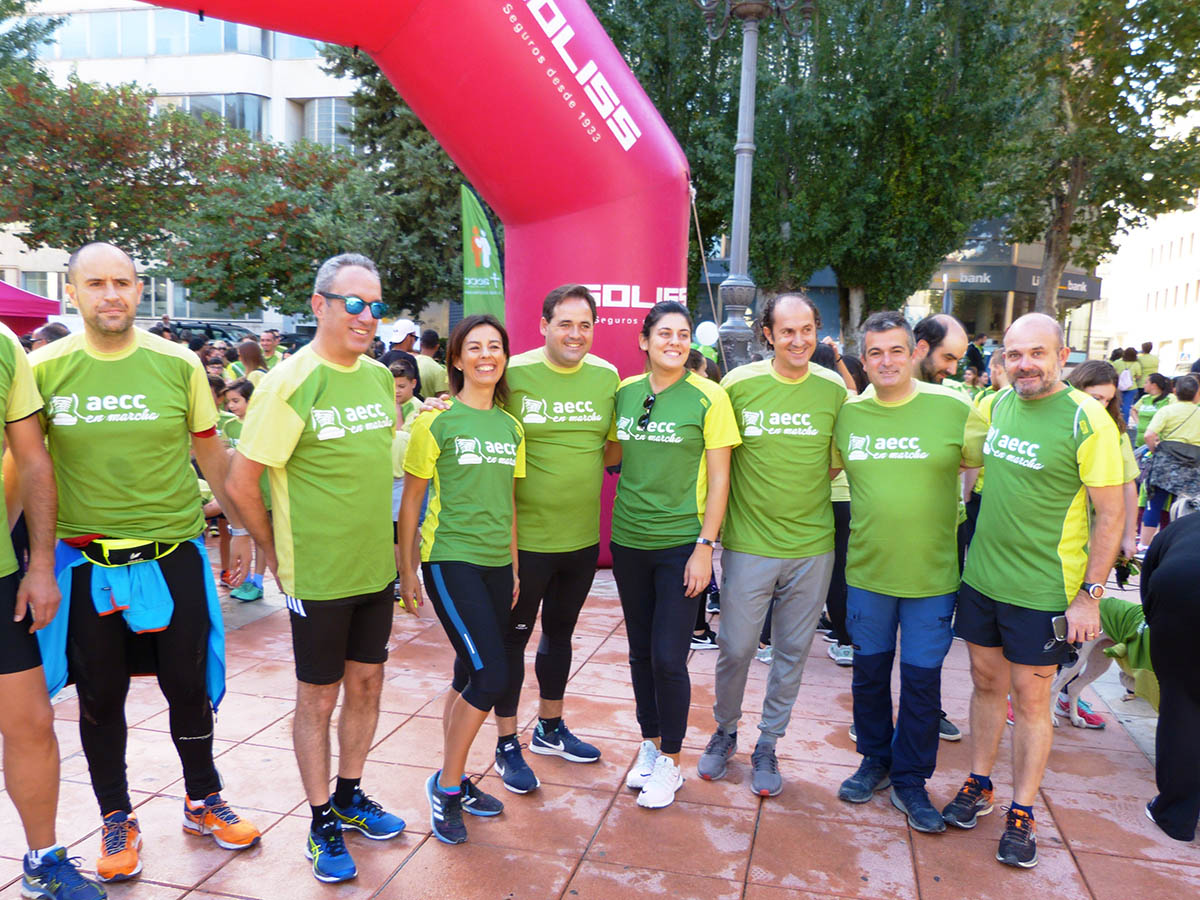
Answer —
(355, 305)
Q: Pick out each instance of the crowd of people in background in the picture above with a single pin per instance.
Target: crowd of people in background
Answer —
(891, 496)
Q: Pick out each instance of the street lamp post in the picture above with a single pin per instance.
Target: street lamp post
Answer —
(736, 293)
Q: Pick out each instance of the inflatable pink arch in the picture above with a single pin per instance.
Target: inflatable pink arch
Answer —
(542, 115)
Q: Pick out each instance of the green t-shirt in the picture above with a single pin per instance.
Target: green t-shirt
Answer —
(324, 432)
(230, 431)
(434, 379)
(902, 459)
(1177, 422)
(20, 397)
(274, 359)
(1031, 541)
(1147, 407)
(983, 401)
(566, 414)
(119, 429)
(1149, 364)
(664, 472)
(471, 456)
(779, 496)
(1129, 466)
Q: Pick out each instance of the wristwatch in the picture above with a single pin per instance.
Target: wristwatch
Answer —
(705, 541)
(1093, 590)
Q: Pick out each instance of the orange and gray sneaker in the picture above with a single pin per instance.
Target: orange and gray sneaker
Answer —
(973, 800)
(214, 817)
(120, 840)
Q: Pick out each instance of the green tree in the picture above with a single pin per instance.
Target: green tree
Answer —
(409, 185)
(89, 162)
(262, 224)
(693, 82)
(1107, 146)
(884, 142)
(21, 35)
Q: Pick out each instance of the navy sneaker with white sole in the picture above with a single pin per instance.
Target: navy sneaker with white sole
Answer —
(510, 765)
(561, 743)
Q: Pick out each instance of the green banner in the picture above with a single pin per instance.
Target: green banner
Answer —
(483, 282)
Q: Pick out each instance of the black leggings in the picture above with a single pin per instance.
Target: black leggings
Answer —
(559, 583)
(473, 604)
(835, 597)
(102, 652)
(658, 623)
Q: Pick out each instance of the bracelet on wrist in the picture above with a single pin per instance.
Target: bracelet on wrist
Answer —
(238, 532)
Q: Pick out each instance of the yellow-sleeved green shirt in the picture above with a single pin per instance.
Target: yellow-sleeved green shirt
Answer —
(470, 456)
(434, 379)
(21, 400)
(1031, 541)
(119, 426)
(324, 432)
(664, 472)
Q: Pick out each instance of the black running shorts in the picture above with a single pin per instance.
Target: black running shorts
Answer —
(1025, 635)
(326, 633)
(18, 648)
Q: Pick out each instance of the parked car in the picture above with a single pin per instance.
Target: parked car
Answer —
(291, 341)
(186, 329)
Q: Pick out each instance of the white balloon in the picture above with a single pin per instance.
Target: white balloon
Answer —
(707, 334)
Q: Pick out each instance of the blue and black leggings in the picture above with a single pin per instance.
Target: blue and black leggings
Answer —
(473, 604)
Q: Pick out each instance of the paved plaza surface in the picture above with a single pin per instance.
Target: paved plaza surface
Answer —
(581, 836)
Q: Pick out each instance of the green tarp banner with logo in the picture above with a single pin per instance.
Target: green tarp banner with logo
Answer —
(483, 282)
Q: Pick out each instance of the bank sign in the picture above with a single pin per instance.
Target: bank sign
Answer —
(1022, 279)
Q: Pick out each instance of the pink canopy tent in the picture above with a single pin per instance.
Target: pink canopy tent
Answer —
(534, 103)
(22, 311)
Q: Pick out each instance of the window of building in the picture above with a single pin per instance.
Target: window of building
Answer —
(248, 111)
(170, 32)
(72, 38)
(135, 32)
(207, 36)
(36, 282)
(247, 39)
(105, 35)
(245, 111)
(288, 46)
(325, 119)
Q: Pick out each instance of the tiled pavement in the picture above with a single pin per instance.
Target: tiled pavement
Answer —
(581, 835)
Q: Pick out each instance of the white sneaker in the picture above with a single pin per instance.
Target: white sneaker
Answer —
(663, 783)
(643, 768)
(764, 654)
(841, 654)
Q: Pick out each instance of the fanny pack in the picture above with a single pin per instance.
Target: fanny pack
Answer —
(112, 552)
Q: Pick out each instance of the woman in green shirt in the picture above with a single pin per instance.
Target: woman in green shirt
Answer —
(1158, 395)
(673, 434)
(471, 453)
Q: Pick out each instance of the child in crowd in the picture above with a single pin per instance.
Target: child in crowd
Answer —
(237, 400)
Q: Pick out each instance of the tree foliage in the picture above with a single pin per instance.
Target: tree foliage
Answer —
(413, 191)
(21, 35)
(266, 219)
(88, 162)
(885, 145)
(1106, 147)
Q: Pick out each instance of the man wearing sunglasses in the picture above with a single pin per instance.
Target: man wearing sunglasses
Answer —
(322, 424)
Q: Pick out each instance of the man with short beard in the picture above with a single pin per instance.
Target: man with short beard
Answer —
(941, 343)
(1050, 450)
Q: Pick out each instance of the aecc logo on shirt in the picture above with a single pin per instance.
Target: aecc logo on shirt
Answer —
(471, 451)
(862, 447)
(756, 422)
(331, 423)
(65, 409)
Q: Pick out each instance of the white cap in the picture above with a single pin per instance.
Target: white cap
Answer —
(401, 329)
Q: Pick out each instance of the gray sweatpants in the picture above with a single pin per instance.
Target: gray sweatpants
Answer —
(748, 583)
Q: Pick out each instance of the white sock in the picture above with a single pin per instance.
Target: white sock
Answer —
(35, 856)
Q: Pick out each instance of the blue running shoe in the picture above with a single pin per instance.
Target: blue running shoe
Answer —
(513, 770)
(560, 742)
(57, 878)
(445, 813)
(368, 817)
(477, 802)
(331, 861)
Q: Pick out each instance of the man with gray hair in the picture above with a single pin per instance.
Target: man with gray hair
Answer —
(321, 423)
(902, 443)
